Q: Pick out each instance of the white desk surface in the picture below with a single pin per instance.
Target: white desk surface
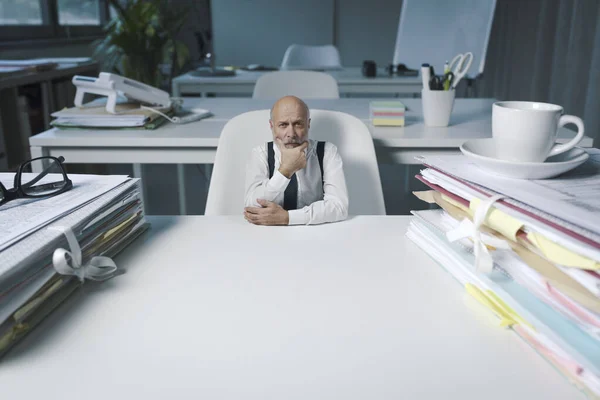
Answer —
(471, 118)
(216, 308)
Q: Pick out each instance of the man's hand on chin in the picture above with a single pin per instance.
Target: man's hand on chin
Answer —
(292, 159)
(269, 214)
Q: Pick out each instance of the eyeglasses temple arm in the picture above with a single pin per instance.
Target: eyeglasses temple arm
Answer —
(42, 174)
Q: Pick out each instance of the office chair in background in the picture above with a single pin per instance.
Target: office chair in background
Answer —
(303, 84)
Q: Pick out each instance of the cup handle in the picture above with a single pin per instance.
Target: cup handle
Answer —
(564, 120)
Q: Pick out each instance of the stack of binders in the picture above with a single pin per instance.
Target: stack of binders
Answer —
(67, 241)
(387, 113)
(529, 251)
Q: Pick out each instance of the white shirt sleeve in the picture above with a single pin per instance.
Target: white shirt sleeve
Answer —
(258, 185)
(334, 206)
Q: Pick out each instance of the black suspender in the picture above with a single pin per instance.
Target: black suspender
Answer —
(290, 195)
(320, 155)
(271, 159)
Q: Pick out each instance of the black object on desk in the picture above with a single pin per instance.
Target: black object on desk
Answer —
(369, 69)
(258, 67)
(401, 70)
(444, 82)
(435, 83)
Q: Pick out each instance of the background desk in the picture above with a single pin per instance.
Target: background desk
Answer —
(45, 78)
(196, 143)
(350, 81)
(364, 314)
(15, 128)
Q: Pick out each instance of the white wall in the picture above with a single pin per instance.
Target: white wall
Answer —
(259, 31)
(366, 30)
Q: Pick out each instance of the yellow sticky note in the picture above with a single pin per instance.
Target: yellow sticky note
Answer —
(455, 203)
(508, 316)
(499, 221)
(388, 121)
(507, 309)
(560, 255)
(481, 297)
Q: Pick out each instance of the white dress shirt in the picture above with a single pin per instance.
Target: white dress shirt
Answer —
(313, 206)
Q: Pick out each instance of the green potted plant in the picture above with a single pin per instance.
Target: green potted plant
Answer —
(140, 38)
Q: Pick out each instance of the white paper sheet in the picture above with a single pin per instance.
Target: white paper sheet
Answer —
(21, 217)
(590, 281)
(573, 197)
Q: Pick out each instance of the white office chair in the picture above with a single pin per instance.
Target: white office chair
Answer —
(299, 56)
(303, 84)
(245, 131)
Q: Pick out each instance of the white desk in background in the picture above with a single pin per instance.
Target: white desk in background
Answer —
(11, 79)
(350, 80)
(201, 313)
(45, 78)
(196, 143)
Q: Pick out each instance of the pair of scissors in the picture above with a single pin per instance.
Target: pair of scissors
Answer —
(460, 65)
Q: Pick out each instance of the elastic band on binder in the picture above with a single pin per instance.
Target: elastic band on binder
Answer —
(483, 259)
(65, 262)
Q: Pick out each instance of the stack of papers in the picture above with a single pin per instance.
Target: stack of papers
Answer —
(544, 240)
(387, 113)
(94, 115)
(104, 214)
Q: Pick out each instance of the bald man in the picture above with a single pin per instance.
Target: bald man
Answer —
(294, 180)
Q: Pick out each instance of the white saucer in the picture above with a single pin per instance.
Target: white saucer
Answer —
(481, 152)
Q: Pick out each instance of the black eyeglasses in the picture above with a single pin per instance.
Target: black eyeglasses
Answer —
(51, 181)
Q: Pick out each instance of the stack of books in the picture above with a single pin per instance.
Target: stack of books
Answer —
(534, 262)
(51, 247)
(387, 113)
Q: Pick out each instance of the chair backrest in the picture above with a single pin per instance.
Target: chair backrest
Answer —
(303, 84)
(248, 130)
(299, 56)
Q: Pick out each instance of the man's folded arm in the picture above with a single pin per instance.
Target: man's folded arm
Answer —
(257, 185)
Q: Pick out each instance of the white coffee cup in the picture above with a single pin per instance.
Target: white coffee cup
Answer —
(526, 131)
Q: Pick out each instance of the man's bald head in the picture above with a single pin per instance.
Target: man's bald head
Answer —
(290, 121)
(289, 102)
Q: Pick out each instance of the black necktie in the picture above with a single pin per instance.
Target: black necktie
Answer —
(290, 196)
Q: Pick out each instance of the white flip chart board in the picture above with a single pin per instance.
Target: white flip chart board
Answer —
(434, 31)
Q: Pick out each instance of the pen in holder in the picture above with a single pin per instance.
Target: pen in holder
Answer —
(437, 106)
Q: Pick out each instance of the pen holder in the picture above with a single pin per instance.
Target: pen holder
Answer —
(437, 106)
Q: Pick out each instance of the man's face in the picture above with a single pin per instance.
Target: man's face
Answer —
(290, 123)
